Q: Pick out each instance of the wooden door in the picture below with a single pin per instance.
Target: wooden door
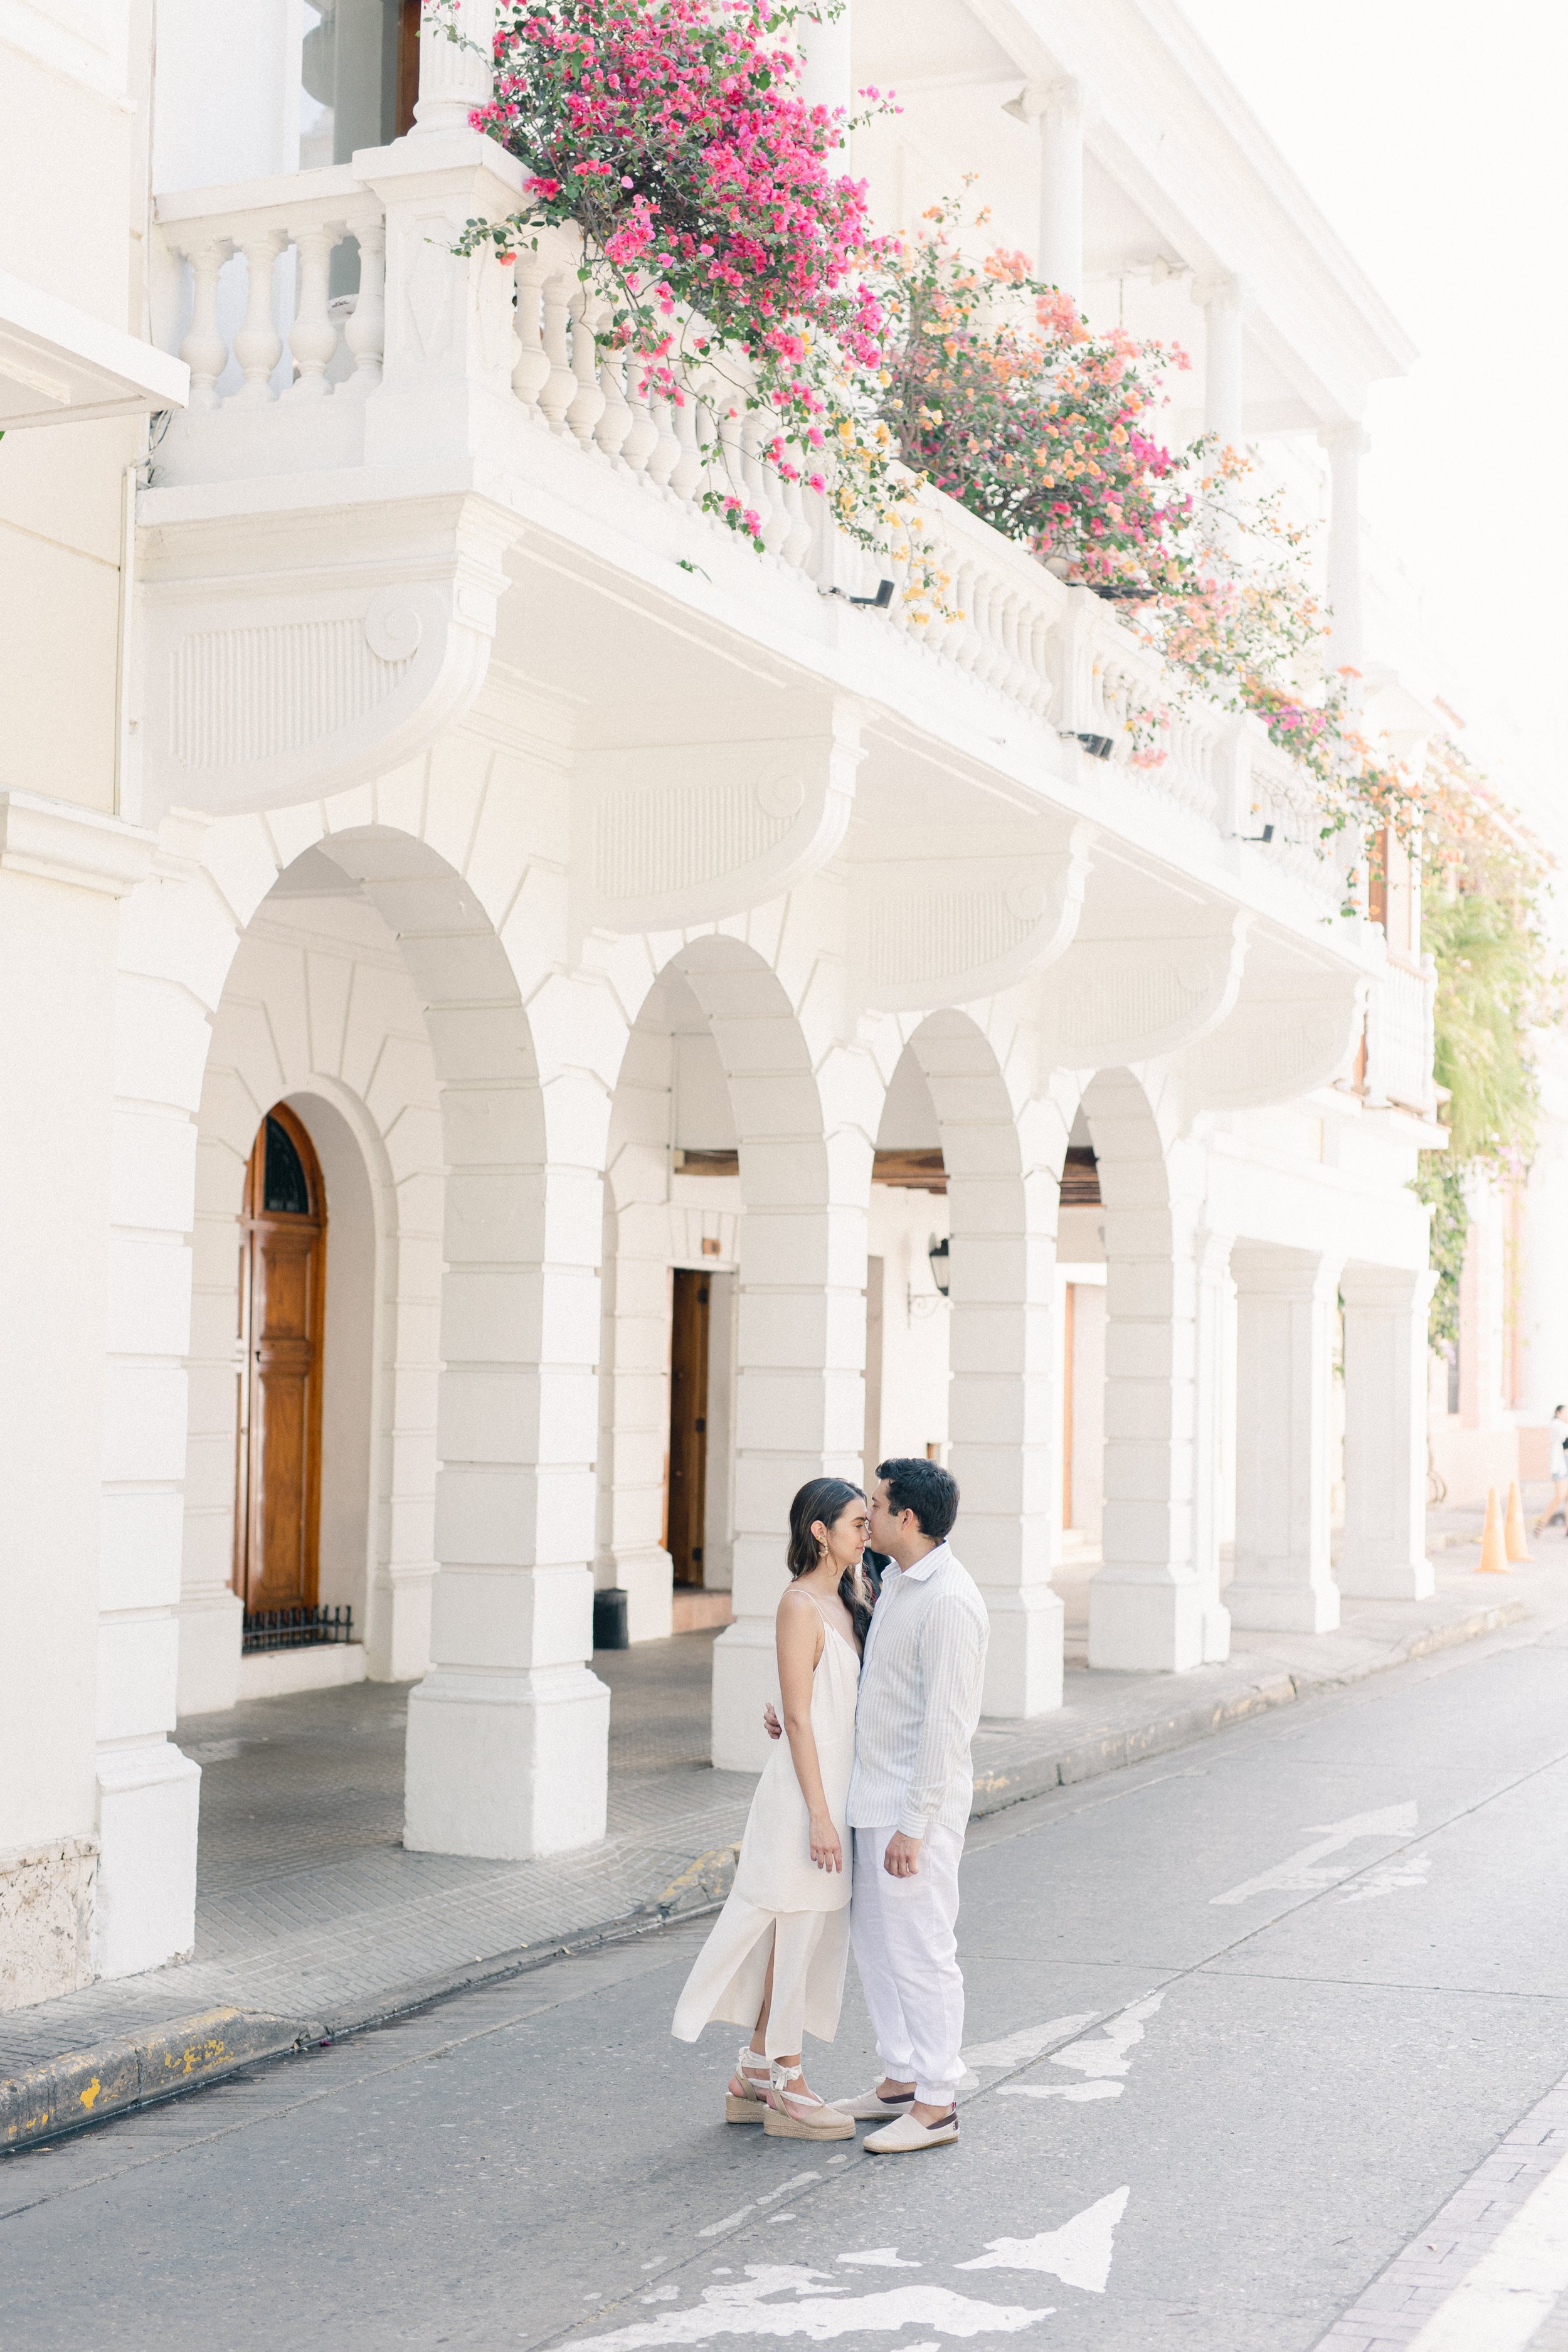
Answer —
(687, 1424)
(282, 1298)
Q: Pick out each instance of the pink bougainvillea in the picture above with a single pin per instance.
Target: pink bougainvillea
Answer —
(716, 223)
(1001, 394)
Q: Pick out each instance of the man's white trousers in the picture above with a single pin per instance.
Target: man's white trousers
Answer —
(907, 1953)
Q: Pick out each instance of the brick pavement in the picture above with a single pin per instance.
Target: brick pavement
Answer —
(1391, 2314)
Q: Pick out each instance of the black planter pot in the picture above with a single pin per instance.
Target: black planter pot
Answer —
(610, 1619)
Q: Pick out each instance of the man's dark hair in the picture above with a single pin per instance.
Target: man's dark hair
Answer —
(926, 1489)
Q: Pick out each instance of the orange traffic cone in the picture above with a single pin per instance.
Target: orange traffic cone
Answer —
(1494, 1559)
(1513, 1534)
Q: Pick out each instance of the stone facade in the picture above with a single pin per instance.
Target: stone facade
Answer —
(608, 902)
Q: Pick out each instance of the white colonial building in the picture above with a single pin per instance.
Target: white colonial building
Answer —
(529, 1029)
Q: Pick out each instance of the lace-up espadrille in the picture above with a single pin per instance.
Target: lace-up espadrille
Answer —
(749, 2105)
(797, 2114)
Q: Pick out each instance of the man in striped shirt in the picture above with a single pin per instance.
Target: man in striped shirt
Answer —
(909, 1800)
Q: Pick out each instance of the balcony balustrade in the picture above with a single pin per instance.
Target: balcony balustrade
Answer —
(286, 379)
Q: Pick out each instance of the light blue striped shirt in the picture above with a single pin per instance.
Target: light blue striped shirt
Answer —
(920, 1699)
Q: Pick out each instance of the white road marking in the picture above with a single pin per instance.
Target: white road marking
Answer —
(728, 2222)
(1101, 2057)
(1500, 2305)
(1405, 1870)
(1017, 2049)
(750, 2307)
(883, 2257)
(664, 2293)
(797, 2181)
(1305, 1872)
(1077, 2092)
(1079, 2253)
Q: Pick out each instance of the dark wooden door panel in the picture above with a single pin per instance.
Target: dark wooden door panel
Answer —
(688, 1423)
(282, 1303)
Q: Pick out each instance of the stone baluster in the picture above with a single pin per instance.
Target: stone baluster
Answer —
(727, 457)
(641, 443)
(560, 385)
(588, 402)
(800, 532)
(687, 471)
(762, 485)
(665, 455)
(531, 371)
(204, 350)
(1040, 682)
(1014, 680)
(964, 635)
(259, 346)
(313, 339)
(365, 333)
(614, 428)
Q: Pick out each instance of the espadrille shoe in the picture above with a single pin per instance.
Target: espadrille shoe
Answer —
(749, 2105)
(909, 2134)
(801, 2115)
(871, 2107)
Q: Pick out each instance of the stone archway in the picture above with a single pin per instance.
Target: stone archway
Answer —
(318, 1011)
(518, 1764)
(804, 1112)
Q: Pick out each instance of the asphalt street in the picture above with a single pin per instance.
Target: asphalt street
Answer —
(1241, 2020)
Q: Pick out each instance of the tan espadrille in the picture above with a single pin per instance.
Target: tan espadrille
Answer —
(808, 2118)
(749, 2106)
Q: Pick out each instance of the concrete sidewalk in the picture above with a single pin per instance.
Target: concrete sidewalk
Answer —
(311, 1919)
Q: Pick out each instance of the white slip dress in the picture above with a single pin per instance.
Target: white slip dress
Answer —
(781, 1902)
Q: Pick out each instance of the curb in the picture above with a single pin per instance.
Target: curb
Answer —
(1088, 1758)
(72, 2093)
(84, 2085)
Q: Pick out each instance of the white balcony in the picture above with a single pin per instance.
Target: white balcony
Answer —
(485, 378)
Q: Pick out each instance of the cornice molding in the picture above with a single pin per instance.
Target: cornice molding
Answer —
(59, 842)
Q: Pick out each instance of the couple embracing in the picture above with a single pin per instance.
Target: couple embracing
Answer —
(879, 1708)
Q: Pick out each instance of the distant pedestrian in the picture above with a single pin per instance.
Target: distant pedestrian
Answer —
(1557, 1509)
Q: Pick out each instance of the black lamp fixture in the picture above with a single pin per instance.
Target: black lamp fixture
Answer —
(941, 1270)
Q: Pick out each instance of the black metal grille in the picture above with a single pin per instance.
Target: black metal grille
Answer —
(295, 1629)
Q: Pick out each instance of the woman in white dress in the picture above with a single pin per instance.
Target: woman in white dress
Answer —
(778, 1948)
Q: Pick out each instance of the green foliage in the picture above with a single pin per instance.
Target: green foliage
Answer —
(1442, 1186)
(1498, 987)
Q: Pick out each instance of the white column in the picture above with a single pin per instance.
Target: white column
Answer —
(634, 1411)
(799, 1415)
(827, 73)
(455, 75)
(1212, 1283)
(1004, 1414)
(1384, 1553)
(507, 1752)
(1221, 298)
(1060, 258)
(1346, 446)
(1283, 1582)
(1146, 1603)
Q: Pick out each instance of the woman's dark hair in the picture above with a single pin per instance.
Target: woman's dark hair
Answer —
(825, 1499)
(926, 1489)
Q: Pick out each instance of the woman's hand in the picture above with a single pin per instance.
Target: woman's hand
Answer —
(825, 1850)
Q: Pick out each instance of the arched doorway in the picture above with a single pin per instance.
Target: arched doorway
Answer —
(282, 1301)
